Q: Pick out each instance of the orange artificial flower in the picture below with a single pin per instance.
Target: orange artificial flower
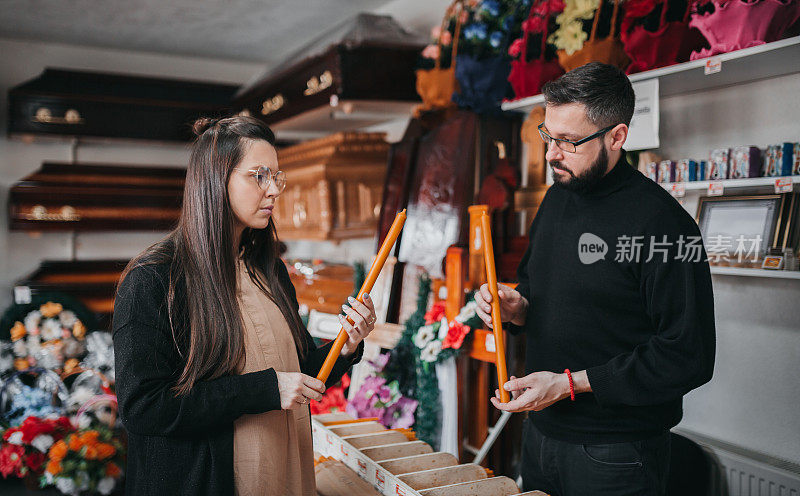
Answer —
(75, 442)
(51, 309)
(53, 467)
(90, 437)
(58, 451)
(105, 450)
(18, 331)
(71, 365)
(112, 470)
(92, 452)
(21, 364)
(79, 330)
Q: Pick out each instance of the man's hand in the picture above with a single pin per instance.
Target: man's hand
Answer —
(513, 306)
(539, 390)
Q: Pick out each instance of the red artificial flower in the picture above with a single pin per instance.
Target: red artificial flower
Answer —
(35, 461)
(455, 335)
(515, 48)
(556, 5)
(534, 24)
(436, 312)
(333, 398)
(639, 8)
(7, 434)
(34, 426)
(11, 460)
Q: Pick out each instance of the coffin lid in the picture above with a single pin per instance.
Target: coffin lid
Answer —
(333, 83)
(321, 150)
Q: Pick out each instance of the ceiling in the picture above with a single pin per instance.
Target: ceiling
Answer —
(242, 30)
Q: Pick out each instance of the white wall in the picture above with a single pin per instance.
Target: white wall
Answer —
(754, 398)
(21, 253)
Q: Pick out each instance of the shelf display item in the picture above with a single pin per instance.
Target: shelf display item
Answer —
(745, 162)
(718, 164)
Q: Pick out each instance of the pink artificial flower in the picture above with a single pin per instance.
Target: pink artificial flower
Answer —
(534, 24)
(436, 32)
(431, 52)
(446, 38)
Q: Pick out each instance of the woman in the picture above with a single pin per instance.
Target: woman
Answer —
(214, 366)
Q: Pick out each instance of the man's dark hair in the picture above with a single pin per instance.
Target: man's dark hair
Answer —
(603, 89)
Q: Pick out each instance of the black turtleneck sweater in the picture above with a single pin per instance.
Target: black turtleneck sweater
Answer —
(642, 329)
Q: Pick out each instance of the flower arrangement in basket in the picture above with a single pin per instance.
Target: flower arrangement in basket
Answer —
(533, 60)
(89, 460)
(50, 332)
(24, 449)
(483, 64)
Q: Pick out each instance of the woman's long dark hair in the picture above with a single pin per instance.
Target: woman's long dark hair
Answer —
(202, 260)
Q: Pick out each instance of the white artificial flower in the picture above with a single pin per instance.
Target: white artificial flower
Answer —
(42, 442)
(82, 480)
(20, 350)
(431, 351)
(444, 326)
(51, 329)
(32, 321)
(79, 397)
(15, 438)
(66, 485)
(67, 318)
(424, 335)
(467, 312)
(106, 485)
(84, 422)
(48, 477)
(34, 344)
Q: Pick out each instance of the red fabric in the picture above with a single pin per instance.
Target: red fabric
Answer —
(527, 78)
(736, 24)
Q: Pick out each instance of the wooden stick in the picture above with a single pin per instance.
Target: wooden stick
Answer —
(372, 276)
(497, 324)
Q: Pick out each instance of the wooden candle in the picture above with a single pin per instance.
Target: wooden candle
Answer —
(372, 275)
(497, 325)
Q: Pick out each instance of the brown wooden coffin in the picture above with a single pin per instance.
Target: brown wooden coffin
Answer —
(334, 187)
(93, 282)
(364, 64)
(326, 289)
(72, 197)
(76, 103)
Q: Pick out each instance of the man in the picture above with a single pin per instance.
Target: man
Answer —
(615, 288)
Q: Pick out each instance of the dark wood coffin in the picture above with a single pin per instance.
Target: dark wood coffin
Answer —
(93, 282)
(72, 197)
(75, 103)
(354, 64)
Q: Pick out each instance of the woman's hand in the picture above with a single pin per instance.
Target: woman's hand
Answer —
(297, 389)
(363, 317)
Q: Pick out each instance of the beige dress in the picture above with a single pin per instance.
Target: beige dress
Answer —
(272, 451)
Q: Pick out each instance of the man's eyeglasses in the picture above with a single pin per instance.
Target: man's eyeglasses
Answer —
(567, 145)
(265, 176)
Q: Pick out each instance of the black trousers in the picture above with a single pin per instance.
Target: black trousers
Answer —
(564, 469)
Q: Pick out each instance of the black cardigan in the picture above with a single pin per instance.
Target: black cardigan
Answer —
(184, 445)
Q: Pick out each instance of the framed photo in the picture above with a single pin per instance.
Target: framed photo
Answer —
(739, 230)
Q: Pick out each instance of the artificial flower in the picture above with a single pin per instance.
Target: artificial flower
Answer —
(67, 318)
(467, 312)
(400, 415)
(424, 335)
(431, 352)
(491, 7)
(446, 38)
(79, 330)
(11, 460)
(51, 309)
(534, 24)
(106, 485)
(515, 49)
(455, 335)
(18, 331)
(436, 312)
(496, 39)
(431, 52)
(32, 321)
(51, 329)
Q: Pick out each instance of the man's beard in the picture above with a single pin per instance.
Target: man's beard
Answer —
(586, 180)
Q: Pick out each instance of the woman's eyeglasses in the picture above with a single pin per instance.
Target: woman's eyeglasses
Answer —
(265, 177)
(567, 145)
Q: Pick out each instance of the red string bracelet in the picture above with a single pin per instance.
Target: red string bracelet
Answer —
(571, 385)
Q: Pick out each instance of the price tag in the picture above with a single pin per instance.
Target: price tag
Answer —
(22, 295)
(489, 343)
(713, 65)
(783, 185)
(716, 188)
(678, 190)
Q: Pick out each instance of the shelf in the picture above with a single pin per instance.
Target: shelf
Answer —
(751, 182)
(765, 61)
(739, 271)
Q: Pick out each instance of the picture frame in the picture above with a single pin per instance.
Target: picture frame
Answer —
(750, 225)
